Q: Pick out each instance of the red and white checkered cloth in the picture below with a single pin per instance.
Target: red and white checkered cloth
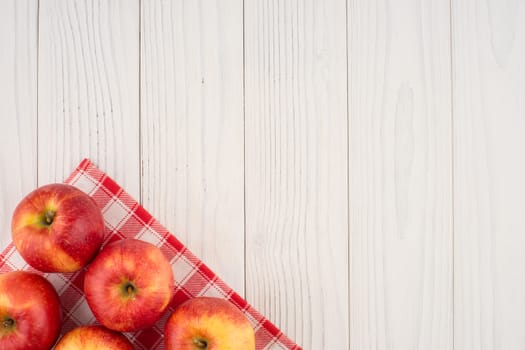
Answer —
(125, 218)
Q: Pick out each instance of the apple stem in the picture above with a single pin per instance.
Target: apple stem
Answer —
(49, 216)
(129, 290)
(200, 343)
(8, 323)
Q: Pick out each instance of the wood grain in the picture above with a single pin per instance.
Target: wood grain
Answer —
(296, 168)
(489, 166)
(400, 189)
(18, 107)
(88, 85)
(192, 127)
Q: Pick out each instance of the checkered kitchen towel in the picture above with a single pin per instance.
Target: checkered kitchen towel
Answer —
(125, 218)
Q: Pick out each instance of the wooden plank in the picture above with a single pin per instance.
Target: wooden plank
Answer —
(400, 212)
(296, 168)
(18, 107)
(489, 166)
(192, 127)
(88, 89)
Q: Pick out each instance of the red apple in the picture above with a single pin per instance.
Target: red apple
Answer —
(93, 337)
(30, 313)
(129, 285)
(208, 323)
(57, 228)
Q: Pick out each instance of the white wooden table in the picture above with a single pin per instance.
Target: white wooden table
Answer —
(354, 168)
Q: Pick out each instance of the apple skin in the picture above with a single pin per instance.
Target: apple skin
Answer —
(209, 324)
(30, 312)
(57, 228)
(129, 285)
(93, 337)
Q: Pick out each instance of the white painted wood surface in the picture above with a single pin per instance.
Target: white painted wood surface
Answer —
(18, 106)
(88, 89)
(354, 168)
(400, 172)
(192, 127)
(489, 173)
(296, 168)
